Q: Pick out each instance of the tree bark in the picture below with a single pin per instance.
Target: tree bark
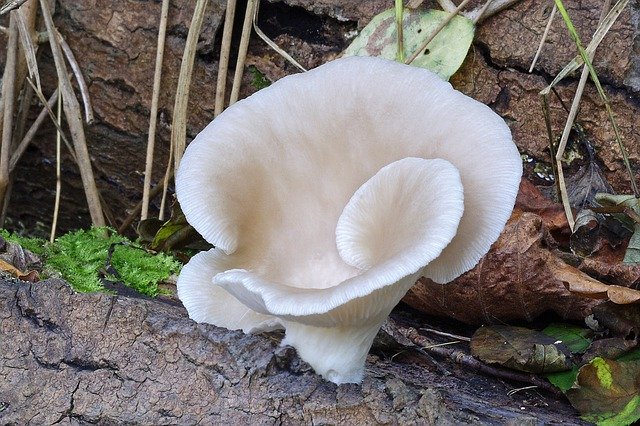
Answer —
(95, 358)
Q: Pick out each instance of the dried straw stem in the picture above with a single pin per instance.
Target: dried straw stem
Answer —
(74, 120)
(56, 206)
(153, 119)
(242, 50)
(179, 122)
(8, 99)
(223, 65)
(28, 137)
(82, 84)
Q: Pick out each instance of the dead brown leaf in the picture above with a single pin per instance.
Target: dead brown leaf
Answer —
(590, 287)
(530, 199)
(518, 279)
(31, 276)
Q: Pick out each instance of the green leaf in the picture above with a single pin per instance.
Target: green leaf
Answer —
(563, 380)
(520, 349)
(632, 255)
(607, 392)
(172, 234)
(444, 54)
(632, 355)
(575, 338)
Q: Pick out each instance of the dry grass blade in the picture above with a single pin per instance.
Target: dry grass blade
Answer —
(8, 98)
(399, 30)
(56, 205)
(74, 120)
(52, 115)
(478, 14)
(82, 84)
(29, 50)
(594, 76)
(10, 5)
(545, 34)
(153, 116)
(225, 49)
(137, 208)
(28, 137)
(573, 112)
(488, 9)
(179, 123)
(447, 5)
(435, 32)
(242, 50)
(272, 44)
(599, 34)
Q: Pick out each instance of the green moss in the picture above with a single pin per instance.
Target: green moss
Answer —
(34, 245)
(81, 256)
(258, 79)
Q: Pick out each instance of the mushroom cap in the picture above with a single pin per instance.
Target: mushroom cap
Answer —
(316, 137)
(328, 193)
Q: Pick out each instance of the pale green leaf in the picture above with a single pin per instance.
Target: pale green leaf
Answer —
(444, 54)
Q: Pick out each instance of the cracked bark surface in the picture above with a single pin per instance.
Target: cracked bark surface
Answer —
(98, 359)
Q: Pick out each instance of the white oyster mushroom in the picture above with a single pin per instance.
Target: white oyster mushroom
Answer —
(327, 194)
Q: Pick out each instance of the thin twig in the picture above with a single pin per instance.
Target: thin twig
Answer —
(77, 72)
(399, 9)
(225, 49)
(481, 12)
(8, 98)
(56, 205)
(242, 50)
(28, 137)
(272, 44)
(74, 120)
(447, 5)
(153, 118)
(443, 24)
(443, 334)
(545, 34)
(484, 12)
(467, 360)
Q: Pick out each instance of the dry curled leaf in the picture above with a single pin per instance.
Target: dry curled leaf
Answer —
(31, 276)
(595, 289)
(621, 320)
(520, 349)
(517, 279)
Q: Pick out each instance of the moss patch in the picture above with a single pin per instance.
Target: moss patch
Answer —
(81, 257)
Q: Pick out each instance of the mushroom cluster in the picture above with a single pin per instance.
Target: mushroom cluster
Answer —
(327, 194)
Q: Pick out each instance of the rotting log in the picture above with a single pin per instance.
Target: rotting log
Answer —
(97, 358)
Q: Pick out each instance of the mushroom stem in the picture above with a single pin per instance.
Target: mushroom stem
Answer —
(336, 353)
